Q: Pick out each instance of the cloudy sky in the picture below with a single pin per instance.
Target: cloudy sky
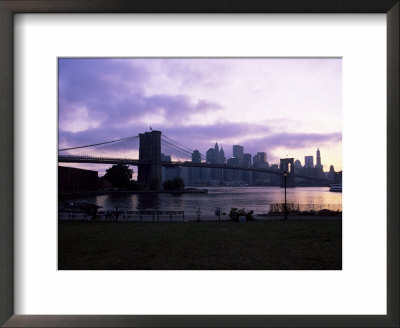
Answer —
(284, 107)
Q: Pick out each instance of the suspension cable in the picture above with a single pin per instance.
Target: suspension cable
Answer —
(191, 150)
(175, 148)
(100, 143)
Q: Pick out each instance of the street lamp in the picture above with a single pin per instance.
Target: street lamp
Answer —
(285, 177)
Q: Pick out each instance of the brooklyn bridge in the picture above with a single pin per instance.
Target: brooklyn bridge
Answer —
(149, 147)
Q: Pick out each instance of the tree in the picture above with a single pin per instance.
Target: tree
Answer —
(119, 175)
(175, 183)
(154, 184)
(235, 213)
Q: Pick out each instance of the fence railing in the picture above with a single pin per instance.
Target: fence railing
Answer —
(154, 215)
(299, 208)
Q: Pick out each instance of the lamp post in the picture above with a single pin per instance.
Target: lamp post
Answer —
(285, 177)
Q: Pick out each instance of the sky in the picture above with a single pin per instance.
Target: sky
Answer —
(286, 107)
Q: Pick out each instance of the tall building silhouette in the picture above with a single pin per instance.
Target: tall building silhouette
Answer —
(255, 160)
(331, 174)
(221, 156)
(247, 175)
(262, 156)
(260, 159)
(247, 160)
(216, 156)
(216, 152)
(210, 157)
(319, 166)
(194, 173)
(230, 174)
(238, 153)
(309, 161)
(196, 156)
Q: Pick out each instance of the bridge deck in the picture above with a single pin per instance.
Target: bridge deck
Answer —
(136, 162)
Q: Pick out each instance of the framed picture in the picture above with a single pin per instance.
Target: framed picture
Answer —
(120, 92)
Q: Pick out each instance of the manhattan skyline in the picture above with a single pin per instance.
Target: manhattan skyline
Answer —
(284, 107)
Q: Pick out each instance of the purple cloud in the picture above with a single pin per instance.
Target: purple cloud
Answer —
(112, 91)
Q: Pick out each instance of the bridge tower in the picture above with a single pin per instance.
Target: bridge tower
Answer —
(287, 164)
(149, 157)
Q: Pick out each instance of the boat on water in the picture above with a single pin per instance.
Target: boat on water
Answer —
(336, 187)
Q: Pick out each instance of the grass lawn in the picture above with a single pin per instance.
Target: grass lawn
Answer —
(298, 244)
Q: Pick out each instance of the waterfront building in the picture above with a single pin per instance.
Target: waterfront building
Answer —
(247, 175)
(262, 158)
(338, 177)
(221, 156)
(260, 161)
(274, 167)
(238, 153)
(247, 160)
(318, 158)
(71, 179)
(297, 164)
(210, 158)
(216, 152)
(319, 167)
(309, 161)
(194, 173)
(165, 158)
(196, 157)
(215, 155)
(173, 172)
(232, 174)
(331, 173)
(255, 160)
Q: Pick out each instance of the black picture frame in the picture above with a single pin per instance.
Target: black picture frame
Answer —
(10, 7)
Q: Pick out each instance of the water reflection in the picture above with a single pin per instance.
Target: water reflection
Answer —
(257, 199)
(147, 201)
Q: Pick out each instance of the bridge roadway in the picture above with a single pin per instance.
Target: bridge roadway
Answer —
(136, 162)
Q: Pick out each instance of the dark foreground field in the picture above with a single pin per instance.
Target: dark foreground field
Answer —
(258, 245)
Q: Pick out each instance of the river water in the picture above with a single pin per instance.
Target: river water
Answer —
(257, 199)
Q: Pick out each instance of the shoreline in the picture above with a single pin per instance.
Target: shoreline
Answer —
(192, 218)
(123, 192)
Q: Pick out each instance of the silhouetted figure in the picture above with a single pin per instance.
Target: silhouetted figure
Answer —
(116, 213)
(198, 212)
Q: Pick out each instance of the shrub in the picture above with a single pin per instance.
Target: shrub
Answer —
(235, 213)
(174, 184)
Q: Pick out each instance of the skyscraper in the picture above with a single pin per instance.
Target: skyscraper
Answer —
(216, 152)
(319, 167)
(331, 174)
(247, 175)
(262, 158)
(309, 161)
(194, 173)
(255, 160)
(165, 158)
(221, 156)
(247, 160)
(238, 153)
(196, 156)
(233, 175)
(210, 158)
(318, 159)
